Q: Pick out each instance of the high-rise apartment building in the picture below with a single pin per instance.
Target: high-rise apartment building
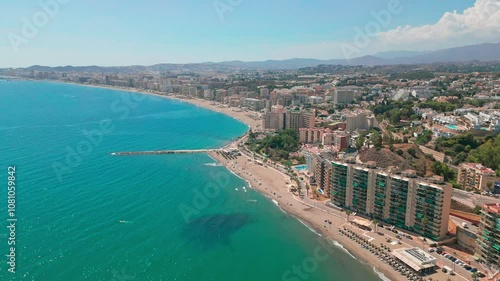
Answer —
(291, 120)
(488, 243)
(273, 121)
(299, 119)
(322, 174)
(343, 96)
(400, 199)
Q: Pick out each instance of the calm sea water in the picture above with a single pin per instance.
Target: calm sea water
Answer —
(85, 215)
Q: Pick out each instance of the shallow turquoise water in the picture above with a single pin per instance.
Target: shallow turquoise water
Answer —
(86, 215)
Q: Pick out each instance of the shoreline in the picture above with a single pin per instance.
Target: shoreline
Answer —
(309, 216)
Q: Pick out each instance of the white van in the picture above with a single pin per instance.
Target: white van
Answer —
(448, 270)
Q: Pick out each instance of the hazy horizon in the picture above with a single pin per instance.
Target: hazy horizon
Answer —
(65, 32)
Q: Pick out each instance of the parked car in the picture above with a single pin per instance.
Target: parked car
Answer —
(395, 231)
(467, 267)
(473, 270)
(438, 251)
(409, 237)
(431, 250)
(480, 274)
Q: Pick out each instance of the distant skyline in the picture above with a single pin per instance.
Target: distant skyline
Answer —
(117, 33)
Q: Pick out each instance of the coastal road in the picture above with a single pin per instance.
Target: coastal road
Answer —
(471, 199)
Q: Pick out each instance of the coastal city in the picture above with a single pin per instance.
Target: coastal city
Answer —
(399, 164)
(230, 140)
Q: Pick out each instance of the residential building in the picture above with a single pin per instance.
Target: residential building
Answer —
(253, 104)
(309, 157)
(341, 140)
(400, 199)
(299, 119)
(208, 94)
(360, 120)
(322, 173)
(315, 100)
(488, 244)
(311, 135)
(264, 93)
(339, 185)
(273, 121)
(343, 96)
(476, 176)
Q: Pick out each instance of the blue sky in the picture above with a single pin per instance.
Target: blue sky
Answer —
(112, 32)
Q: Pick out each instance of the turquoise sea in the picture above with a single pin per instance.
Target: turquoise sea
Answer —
(86, 215)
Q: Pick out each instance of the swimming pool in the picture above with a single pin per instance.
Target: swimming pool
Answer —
(300, 167)
(453, 127)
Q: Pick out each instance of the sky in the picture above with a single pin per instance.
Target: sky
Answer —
(147, 32)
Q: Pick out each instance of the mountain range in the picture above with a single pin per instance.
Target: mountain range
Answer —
(487, 52)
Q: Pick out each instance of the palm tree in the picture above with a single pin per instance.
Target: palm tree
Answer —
(375, 221)
(474, 276)
(425, 221)
(348, 213)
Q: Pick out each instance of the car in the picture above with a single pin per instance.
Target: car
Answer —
(380, 225)
(439, 252)
(453, 259)
(473, 270)
(431, 250)
(467, 267)
(480, 274)
(409, 237)
(395, 231)
(398, 236)
(444, 270)
(446, 255)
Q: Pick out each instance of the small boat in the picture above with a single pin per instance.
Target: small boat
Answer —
(236, 189)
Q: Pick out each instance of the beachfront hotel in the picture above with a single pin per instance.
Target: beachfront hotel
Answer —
(397, 198)
(488, 244)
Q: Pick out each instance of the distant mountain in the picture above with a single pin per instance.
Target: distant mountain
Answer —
(488, 52)
(398, 54)
(483, 52)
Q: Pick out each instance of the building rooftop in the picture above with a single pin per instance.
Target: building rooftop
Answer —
(415, 258)
(492, 208)
(479, 167)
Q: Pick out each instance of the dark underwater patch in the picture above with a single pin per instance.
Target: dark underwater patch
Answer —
(210, 230)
